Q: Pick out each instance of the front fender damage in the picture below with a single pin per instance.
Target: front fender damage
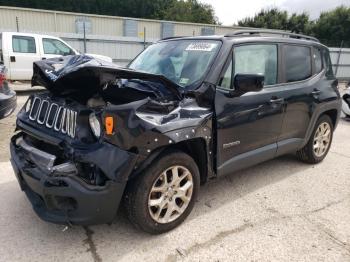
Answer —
(144, 128)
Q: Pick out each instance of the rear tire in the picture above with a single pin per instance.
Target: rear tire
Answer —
(163, 196)
(319, 143)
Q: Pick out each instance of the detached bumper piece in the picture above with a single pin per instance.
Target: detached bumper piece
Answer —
(57, 192)
(8, 103)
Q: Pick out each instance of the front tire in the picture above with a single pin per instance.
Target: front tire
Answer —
(319, 143)
(164, 195)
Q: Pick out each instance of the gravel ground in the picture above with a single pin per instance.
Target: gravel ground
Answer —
(281, 210)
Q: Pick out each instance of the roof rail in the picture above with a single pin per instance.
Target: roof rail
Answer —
(272, 32)
(171, 37)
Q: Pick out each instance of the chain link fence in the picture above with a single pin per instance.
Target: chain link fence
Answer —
(336, 43)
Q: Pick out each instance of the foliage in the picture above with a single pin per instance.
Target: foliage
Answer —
(272, 19)
(176, 10)
(331, 27)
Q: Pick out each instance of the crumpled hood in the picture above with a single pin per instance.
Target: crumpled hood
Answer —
(88, 75)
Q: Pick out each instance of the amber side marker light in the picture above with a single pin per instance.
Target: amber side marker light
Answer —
(109, 123)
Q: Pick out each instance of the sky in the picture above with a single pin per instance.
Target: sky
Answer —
(231, 11)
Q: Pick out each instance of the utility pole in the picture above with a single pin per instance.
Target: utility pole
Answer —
(144, 38)
(17, 23)
(84, 28)
(338, 59)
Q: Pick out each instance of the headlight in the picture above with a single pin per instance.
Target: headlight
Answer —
(95, 125)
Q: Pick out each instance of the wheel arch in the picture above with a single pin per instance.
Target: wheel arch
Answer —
(195, 148)
(333, 114)
(332, 109)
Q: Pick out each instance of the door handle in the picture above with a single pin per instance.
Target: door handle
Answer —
(44, 58)
(12, 59)
(316, 92)
(275, 100)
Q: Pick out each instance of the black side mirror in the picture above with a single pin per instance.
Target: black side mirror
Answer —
(245, 83)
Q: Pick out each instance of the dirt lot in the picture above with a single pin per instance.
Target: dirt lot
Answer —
(281, 210)
(7, 126)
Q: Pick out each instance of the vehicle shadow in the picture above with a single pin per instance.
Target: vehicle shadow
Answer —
(121, 239)
(217, 192)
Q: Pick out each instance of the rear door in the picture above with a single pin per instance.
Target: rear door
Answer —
(23, 52)
(248, 125)
(303, 67)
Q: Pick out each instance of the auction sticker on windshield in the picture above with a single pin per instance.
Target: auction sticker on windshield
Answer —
(201, 46)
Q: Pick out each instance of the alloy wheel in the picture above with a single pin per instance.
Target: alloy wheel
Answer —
(322, 139)
(171, 194)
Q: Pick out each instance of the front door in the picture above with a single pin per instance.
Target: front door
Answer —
(52, 48)
(248, 125)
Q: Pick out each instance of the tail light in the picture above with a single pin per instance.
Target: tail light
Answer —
(2, 79)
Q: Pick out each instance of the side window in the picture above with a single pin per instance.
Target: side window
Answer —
(227, 78)
(297, 62)
(55, 47)
(327, 63)
(257, 59)
(23, 44)
(318, 60)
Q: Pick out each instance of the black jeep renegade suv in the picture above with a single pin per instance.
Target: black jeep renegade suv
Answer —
(185, 110)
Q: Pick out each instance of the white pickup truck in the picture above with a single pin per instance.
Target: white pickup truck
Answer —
(18, 51)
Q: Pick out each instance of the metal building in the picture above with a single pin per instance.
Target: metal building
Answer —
(117, 37)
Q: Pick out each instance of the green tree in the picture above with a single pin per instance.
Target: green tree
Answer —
(177, 10)
(299, 23)
(277, 19)
(189, 11)
(272, 19)
(333, 27)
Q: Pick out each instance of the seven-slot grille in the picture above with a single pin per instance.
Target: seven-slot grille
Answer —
(53, 116)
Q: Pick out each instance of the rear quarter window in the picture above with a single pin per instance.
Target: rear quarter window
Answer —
(297, 63)
(327, 63)
(318, 60)
(23, 44)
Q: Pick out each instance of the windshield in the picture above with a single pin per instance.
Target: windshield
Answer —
(184, 62)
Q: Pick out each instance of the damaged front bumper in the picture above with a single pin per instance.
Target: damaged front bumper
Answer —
(59, 195)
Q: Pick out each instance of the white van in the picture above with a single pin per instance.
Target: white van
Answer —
(18, 51)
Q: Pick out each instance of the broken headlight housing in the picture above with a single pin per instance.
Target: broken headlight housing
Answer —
(95, 125)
